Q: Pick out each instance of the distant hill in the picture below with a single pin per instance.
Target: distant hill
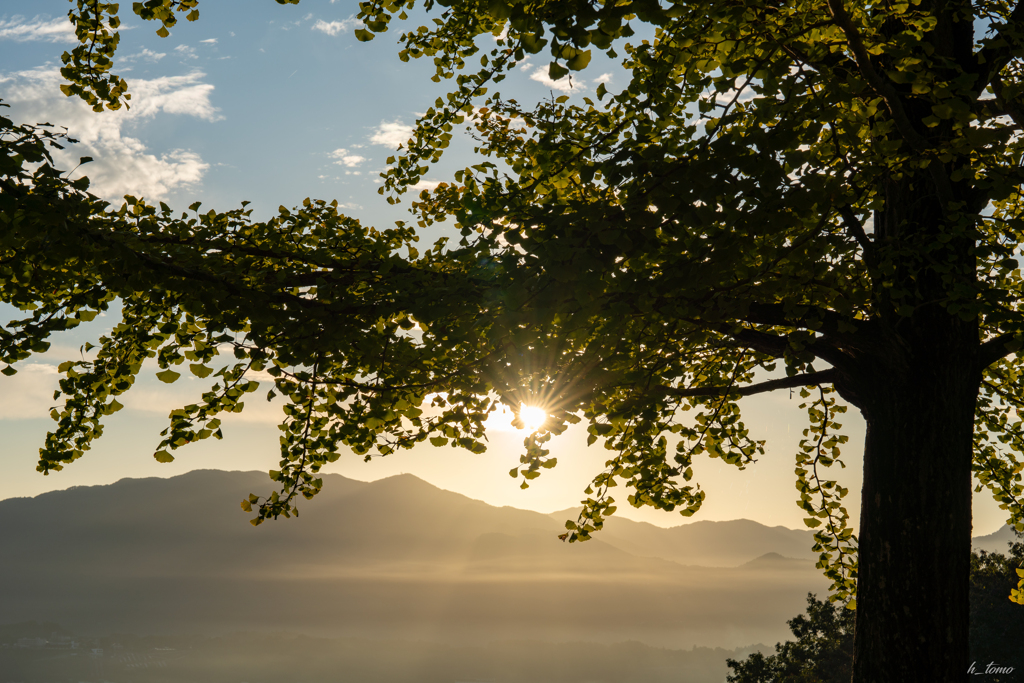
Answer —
(773, 561)
(395, 559)
(995, 542)
(704, 543)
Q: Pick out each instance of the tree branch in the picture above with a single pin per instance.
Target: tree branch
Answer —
(812, 318)
(994, 349)
(877, 82)
(888, 93)
(769, 344)
(1010, 108)
(775, 345)
(854, 226)
(808, 379)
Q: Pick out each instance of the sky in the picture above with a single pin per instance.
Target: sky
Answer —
(272, 104)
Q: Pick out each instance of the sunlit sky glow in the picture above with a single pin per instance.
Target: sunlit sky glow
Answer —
(532, 417)
(273, 104)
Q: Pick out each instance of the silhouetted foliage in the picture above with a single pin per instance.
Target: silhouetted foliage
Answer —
(997, 624)
(823, 649)
(832, 190)
(821, 653)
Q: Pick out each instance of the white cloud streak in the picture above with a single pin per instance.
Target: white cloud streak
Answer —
(563, 84)
(333, 28)
(123, 164)
(146, 54)
(391, 134)
(428, 185)
(343, 158)
(22, 30)
(186, 52)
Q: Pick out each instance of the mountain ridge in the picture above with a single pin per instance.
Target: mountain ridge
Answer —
(396, 558)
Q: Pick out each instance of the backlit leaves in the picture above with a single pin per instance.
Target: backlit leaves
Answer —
(641, 262)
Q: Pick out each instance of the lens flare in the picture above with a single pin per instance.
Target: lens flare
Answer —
(532, 417)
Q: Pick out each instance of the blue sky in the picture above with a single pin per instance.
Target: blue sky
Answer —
(271, 104)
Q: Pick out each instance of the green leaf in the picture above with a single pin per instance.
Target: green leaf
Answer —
(168, 376)
(163, 456)
(200, 370)
(579, 61)
(557, 71)
(533, 43)
(499, 9)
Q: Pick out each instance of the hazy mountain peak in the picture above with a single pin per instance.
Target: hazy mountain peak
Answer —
(774, 561)
(396, 557)
(995, 542)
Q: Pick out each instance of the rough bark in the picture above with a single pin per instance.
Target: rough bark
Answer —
(916, 384)
(915, 534)
(915, 527)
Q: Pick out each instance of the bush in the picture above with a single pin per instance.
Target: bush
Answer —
(823, 649)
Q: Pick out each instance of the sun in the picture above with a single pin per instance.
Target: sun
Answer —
(532, 417)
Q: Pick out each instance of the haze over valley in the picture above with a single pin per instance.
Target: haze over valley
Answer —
(395, 579)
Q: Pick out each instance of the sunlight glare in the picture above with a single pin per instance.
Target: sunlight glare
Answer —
(532, 417)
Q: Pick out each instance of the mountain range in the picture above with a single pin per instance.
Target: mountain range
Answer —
(390, 580)
(393, 558)
(995, 542)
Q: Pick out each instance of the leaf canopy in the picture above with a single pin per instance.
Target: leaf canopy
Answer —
(778, 198)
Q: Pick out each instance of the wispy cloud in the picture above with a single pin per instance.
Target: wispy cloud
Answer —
(186, 52)
(428, 185)
(333, 28)
(186, 94)
(123, 164)
(29, 393)
(22, 30)
(343, 158)
(145, 54)
(726, 97)
(209, 41)
(391, 134)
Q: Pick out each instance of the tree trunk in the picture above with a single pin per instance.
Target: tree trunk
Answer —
(915, 528)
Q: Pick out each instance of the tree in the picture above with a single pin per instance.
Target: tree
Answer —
(996, 623)
(828, 192)
(823, 650)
